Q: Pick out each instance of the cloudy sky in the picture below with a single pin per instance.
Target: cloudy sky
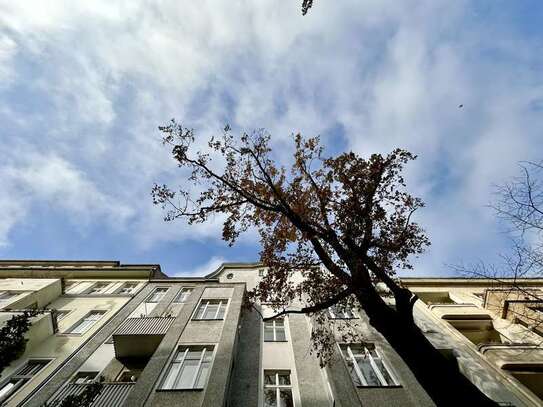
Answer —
(84, 85)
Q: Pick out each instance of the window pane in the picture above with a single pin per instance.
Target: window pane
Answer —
(211, 311)
(367, 371)
(200, 312)
(222, 309)
(188, 372)
(268, 334)
(269, 378)
(183, 295)
(284, 379)
(270, 398)
(172, 374)
(280, 333)
(82, 326)
(285, 396)
(384, 372)
(354, 375)
(202, 377)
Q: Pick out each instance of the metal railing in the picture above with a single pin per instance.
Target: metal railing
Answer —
(111, 395)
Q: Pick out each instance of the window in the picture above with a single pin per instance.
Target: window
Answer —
(23, 375)
(86, 323)
(157, 295)
(7, 295)
(261, 273)
(336, 312)
(127, 288)
(274, 330)
(183, 295)
(189, 368)
(84, 377)
(211, 309)
(70, 285)
(60, 314)
(97, 288)
(277, 389)
(366, 366)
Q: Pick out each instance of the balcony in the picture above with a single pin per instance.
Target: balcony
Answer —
(522, 361)
(112, 394)
(460, 312)
(42, 326)
(139, 337)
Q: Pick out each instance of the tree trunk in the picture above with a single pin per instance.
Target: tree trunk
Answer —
(439, 377)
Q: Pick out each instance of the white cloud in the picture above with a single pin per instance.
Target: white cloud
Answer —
(104, 74)
(211, 265)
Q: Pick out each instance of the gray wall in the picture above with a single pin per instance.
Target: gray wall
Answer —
(184, 331)
(245, 382)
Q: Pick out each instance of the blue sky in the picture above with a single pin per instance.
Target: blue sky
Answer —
(84, 85)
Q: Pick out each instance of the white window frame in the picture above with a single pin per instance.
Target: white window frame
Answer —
(147, 300)
(181, 293)
(334, 313)
(207, 301)
(103, 284)
(22, 379)
(82, 320)
(124, 285)
(353, 359)
(275, 328)
(10, 295)
(63, 312)
(178, 351)
(277, 387)
(72, 286)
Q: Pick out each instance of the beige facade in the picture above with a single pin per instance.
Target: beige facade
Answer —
(77, 301)
(492, 329)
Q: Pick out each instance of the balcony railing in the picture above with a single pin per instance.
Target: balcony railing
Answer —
(112, 394)
(144, 326)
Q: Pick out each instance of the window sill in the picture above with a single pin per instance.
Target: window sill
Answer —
(285, 341)
(97, 295)
(178, 390)
(207, 319)
(395, 386)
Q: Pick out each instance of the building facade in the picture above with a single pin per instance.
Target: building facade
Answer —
(153, 340)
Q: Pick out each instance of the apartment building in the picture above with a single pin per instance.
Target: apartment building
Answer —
(153, 340)
(78, 298)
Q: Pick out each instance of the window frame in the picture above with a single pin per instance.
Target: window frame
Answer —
(80, 321)
(333, 313)
(63, 312)
(182, 291)
(22, 379)
(277, 386)
(275, 329)
(147, 300)
(123, 286)
(12, 294)
(362, 379)
(104, 284)
(172, 360)
(207, 301)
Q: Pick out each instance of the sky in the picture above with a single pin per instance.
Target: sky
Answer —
(85, 84)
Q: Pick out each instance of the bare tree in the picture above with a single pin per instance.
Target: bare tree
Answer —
(518, 204)
(349, 214)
